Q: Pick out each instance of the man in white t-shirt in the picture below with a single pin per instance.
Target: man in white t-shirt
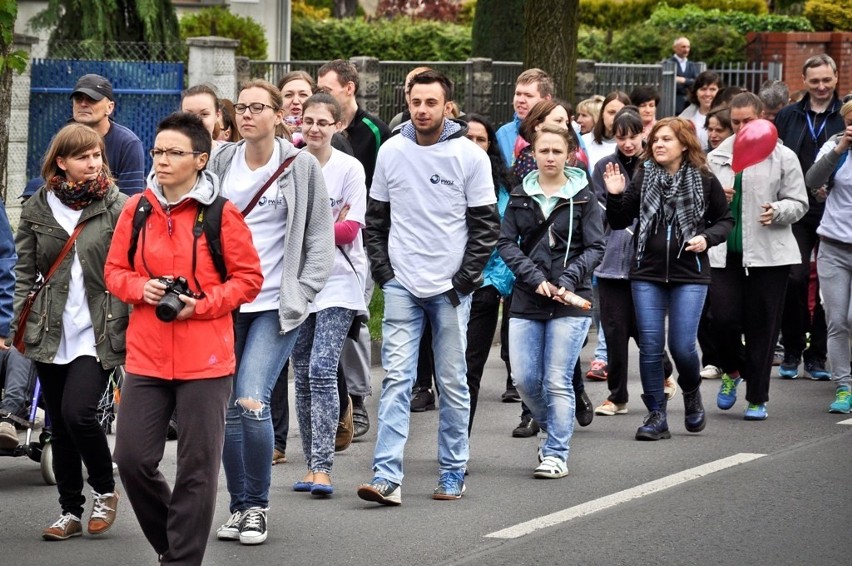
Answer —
(431, 226)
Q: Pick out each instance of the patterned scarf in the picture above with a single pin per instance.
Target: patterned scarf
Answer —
(78, 196)
(676, 200)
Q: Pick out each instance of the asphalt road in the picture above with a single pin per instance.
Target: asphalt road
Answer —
(774, 492)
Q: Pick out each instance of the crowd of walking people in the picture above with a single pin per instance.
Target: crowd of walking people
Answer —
(257, 238)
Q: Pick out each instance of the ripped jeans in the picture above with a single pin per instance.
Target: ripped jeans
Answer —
(247, 458)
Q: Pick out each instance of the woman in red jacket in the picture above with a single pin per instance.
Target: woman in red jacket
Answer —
(185, 363)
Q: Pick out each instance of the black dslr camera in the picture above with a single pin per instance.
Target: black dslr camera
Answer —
(170, 305)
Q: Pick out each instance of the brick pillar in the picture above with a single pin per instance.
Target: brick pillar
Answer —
(212, 61)
(840, 49)
(369, 78)
(479, 82)
(16, 164)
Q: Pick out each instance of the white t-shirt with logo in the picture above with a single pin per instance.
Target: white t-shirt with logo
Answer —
(267, 221)
(430, 189)
(78, 333)
(346, 185)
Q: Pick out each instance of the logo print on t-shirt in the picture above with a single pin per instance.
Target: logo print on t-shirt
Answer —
(436, 179)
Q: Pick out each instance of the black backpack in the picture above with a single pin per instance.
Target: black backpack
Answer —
(208, 221)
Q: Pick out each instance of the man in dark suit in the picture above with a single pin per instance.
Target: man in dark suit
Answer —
(686, 72)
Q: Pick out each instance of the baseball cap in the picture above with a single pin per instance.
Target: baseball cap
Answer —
(94, 86)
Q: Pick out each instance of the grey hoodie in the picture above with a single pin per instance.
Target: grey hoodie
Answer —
(205, 191)
(309, 241)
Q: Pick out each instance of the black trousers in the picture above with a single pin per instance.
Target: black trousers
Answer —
(279, 409)
(176, 521)
(484, 312)
(748, 305)
(797, 320)
(71, 392)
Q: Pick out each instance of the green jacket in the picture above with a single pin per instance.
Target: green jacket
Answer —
(39, 240)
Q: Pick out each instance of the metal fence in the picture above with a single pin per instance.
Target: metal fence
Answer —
(607, 78)
(117, 50)
(749, 75)
(145, 92)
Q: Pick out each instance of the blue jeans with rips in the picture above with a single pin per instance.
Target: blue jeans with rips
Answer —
(315, 360)
(402, 326)
(247, 458)
(683, 303)
(543, 354)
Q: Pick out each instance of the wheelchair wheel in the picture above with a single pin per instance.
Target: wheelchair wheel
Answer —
(47, 465)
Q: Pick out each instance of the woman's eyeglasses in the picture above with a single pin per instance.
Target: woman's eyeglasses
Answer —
(254, 108)
(157, 153)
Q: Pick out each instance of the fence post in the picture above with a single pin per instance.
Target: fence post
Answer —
(212, 62)
(16, 158)
(369, 78)
(584, 79)
(480, 82)
(243, 67)
(775, 71)
(668, 89)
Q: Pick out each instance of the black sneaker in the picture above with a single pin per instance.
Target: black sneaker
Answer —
(527, 428)
(423, 400)
(253, 526)
(511, 395)
(584, 411)
(360, 419)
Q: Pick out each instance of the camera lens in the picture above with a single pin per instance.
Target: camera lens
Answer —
(169, 307)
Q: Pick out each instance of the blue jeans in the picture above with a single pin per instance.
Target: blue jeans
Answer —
(315, 360)
(247, 458)
(683, 302)
(543, 354)
(402, 326)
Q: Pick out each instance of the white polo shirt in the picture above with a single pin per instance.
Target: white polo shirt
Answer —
(429, 189)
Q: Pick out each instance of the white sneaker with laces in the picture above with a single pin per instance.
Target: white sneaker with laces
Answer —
(711, 372)
(253, 526)
(231, 529)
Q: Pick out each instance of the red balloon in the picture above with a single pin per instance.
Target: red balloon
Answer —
(754, 143)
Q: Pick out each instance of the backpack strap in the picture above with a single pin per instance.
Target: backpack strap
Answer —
(211, 224)
(140, 216)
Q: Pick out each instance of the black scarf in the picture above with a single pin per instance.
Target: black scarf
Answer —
(676, 200)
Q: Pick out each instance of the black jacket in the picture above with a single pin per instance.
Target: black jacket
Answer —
(366, 133)
(535, 259)
(664, 261)
(792, 125)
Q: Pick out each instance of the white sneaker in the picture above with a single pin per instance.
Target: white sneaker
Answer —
(253, 526)
(231, 529)
(551, 467)
(8, 436)
(711, 372)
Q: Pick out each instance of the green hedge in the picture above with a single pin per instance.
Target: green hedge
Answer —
(389, 40)
(830, 15)
(221, 22)
(717, 37)
(620, 14)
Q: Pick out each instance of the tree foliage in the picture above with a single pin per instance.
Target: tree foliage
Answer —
(221, 22)
(498, 30)
(830, 15)
(151, 21)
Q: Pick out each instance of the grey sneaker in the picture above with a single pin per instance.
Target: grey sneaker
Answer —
(231, 529)
(450, 486)
(382, 491)
(253, 526)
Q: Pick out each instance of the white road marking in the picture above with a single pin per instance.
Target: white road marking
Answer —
(614, 499)
(847, 421)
